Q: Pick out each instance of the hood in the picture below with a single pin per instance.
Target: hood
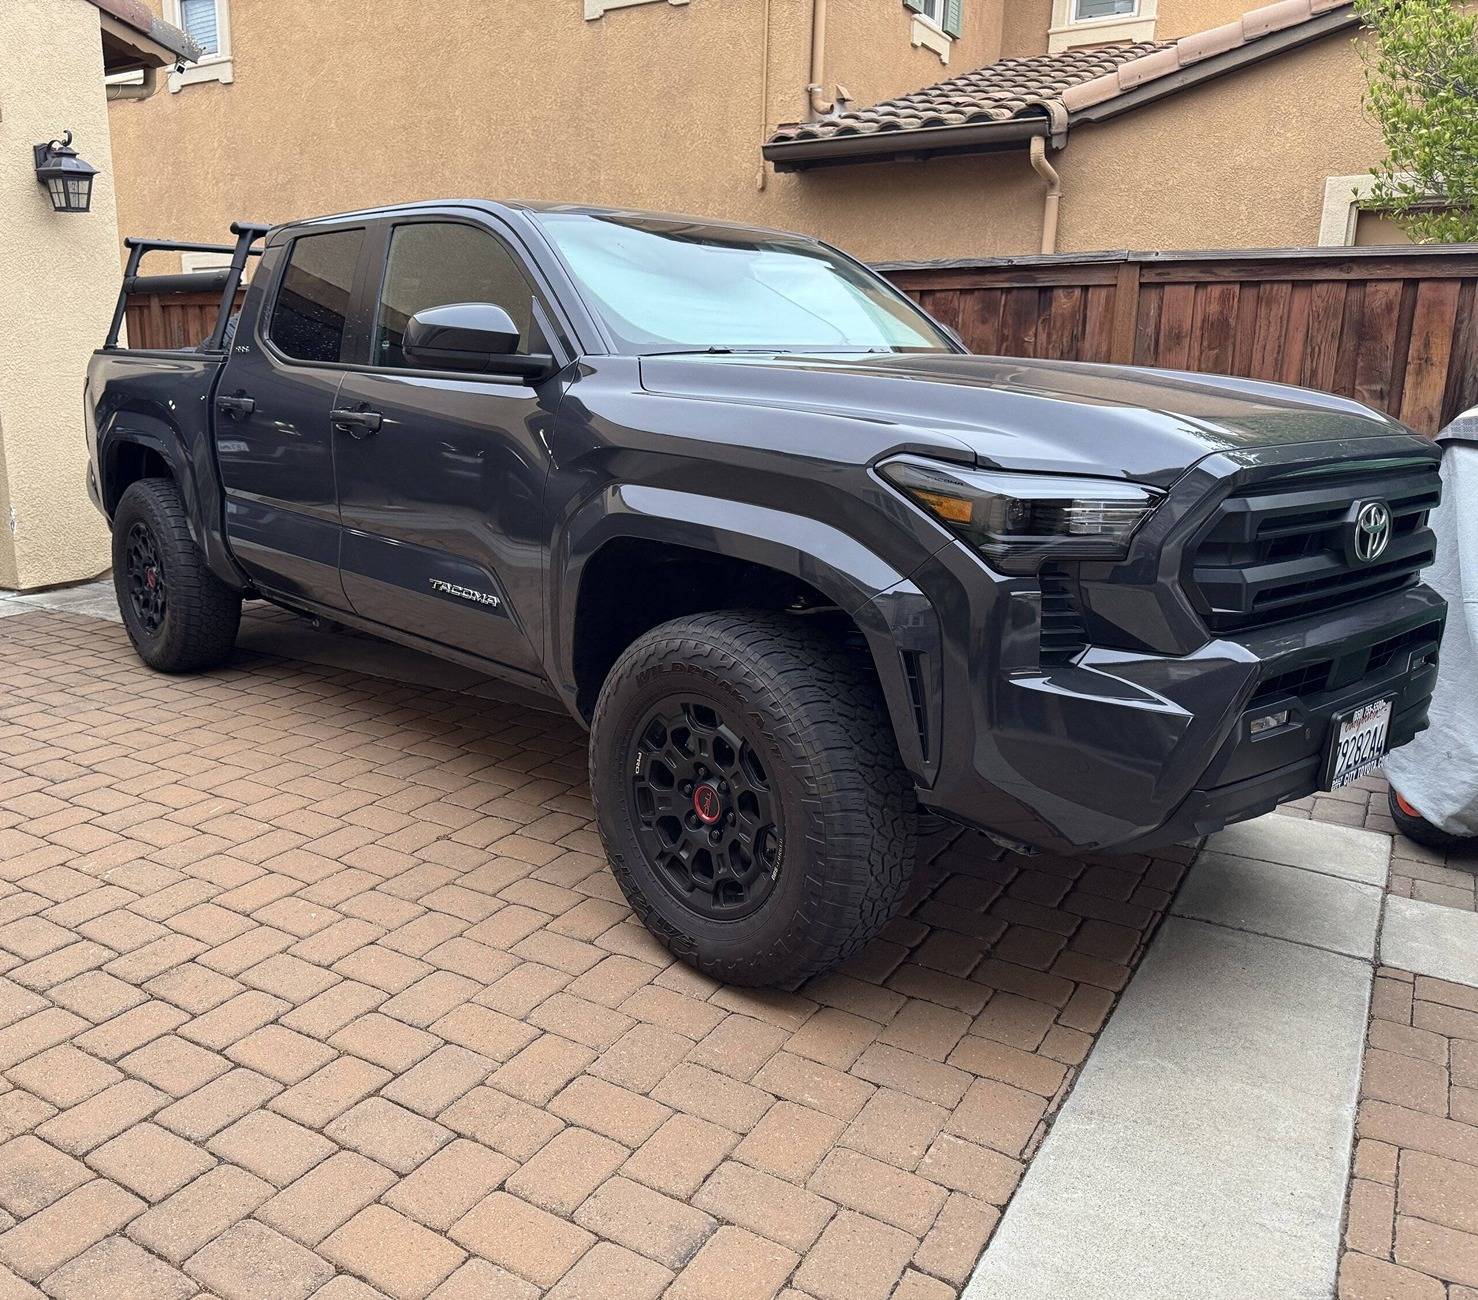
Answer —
(1117, 421)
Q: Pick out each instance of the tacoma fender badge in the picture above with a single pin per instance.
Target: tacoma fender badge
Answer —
(443, 588)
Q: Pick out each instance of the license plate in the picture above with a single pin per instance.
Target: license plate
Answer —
(1357, 743)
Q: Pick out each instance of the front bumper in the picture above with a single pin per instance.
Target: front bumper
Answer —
(1126, 751)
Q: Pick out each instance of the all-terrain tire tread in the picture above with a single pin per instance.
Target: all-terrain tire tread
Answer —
(203, 615)
(820, 703)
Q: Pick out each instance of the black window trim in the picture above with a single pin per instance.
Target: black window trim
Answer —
(352, 325)
(556, 330)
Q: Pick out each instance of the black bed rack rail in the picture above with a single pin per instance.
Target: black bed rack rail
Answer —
(227, 279)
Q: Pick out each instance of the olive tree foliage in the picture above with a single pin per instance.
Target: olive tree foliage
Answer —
(1422, 89)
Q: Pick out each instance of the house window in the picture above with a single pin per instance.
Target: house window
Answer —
(208, 24)
(1100, 22)
(1085, 11)
(935, 24)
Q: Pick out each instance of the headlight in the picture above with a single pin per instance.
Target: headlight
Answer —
(1018, 520)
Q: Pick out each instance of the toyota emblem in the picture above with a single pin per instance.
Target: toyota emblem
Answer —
(1372, 531)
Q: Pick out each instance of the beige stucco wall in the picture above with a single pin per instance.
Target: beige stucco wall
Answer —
(58, 282)
(660, 106)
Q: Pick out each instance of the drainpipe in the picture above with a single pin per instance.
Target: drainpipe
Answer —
(143, 90)
(1052, 201)
(815, 91)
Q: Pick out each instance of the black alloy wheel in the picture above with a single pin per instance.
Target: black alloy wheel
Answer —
(145, 575)
(708, 822)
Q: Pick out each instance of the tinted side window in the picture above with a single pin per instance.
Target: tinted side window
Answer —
(434, 263)
(312, 304)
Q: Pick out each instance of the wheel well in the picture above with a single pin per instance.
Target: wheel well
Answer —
(631, 585)
(128, 462)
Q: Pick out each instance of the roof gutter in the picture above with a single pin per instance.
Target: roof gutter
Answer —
(880, 146)
(1015, 133)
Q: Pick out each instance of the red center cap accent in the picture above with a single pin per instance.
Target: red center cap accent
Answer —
(706, 804)
(151, 579)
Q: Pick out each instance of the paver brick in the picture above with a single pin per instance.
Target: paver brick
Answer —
(150, 1161)
(221, 1102)
(39, 1245)
(680, 1155)
(63, 1076)
(763, 1204)
(645, 1221)
(623, 1116)
(33, 1175)
(326, 1197)
(479, 1280)
(520, 1237)
(250, 1261)
(174, 1065)
(385, 1042)
(115, 1268)
(434, 1082)
(102, 1116)
(180, 1225)
(390, 1134)
(611, 1270)
(271, 1147)
(736, 1265)
(857, 1258)
(450, 1183)
(955, 1242)
(394, 1253)
(567, 1170)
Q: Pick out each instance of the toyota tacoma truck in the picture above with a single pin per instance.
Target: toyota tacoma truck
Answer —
(805, 567)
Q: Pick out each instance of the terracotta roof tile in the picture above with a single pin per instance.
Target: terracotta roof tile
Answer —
(1054, 84)
(995, 93)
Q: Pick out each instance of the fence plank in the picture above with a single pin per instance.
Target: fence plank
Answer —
(1395, 328)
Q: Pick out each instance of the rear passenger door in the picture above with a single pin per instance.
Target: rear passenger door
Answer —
(274, 437)
(441, 499)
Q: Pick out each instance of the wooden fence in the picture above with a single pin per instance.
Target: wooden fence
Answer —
(179, 320)
(1395, 328)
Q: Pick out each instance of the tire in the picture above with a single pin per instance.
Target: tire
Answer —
(180, 617)
(1418, 829)
(791, 728)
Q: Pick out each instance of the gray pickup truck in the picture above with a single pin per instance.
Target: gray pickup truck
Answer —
(801, 563)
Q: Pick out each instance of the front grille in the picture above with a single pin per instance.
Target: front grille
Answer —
(1278, 549)
(1315, 678)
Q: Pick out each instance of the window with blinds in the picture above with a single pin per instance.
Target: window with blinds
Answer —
(202, 24)
(1084, 10)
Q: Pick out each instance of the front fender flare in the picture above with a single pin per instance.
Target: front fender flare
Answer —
(894, 616)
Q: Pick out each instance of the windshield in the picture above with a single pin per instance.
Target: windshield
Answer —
(662, 285)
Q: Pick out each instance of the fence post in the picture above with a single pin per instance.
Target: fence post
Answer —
(1126, 314)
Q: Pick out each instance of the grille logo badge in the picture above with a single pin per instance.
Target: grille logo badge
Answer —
(1372, 531)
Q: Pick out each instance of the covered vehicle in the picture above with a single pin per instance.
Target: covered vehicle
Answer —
(1436, 776)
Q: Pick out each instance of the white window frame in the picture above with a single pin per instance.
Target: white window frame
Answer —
(213, 67)
(1344, 201)
(597, 8)
(1068, 30)
(926, 30)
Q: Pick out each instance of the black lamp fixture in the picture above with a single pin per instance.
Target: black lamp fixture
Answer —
(68, 178)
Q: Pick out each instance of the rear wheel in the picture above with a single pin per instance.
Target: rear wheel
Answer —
(750, 795)
(180, 617)
(1418, 829)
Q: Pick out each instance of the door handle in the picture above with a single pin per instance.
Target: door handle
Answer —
(236, 407)
(357, 424)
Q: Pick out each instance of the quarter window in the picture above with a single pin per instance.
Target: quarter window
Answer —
(311, 312)
(433, 263)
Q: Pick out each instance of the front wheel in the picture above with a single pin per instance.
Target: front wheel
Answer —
(750, 795)
(180, 617)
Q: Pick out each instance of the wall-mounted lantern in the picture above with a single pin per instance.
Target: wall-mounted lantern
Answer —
(68, 178)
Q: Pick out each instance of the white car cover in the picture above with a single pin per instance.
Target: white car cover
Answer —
(1437, 773)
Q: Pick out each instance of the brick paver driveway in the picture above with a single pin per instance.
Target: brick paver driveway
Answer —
(317, 984)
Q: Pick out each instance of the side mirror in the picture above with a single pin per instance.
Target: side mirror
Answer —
(478, 337)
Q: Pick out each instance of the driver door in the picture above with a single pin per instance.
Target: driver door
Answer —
(441, 474)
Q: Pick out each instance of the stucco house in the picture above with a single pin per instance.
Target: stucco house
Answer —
(901, 129)
(59, 268)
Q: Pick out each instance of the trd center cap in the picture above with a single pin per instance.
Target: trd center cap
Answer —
(707, 805)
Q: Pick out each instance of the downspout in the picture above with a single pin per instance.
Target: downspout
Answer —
(143, 90)
(815, 91)
(1052, 200)
(764, 174)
